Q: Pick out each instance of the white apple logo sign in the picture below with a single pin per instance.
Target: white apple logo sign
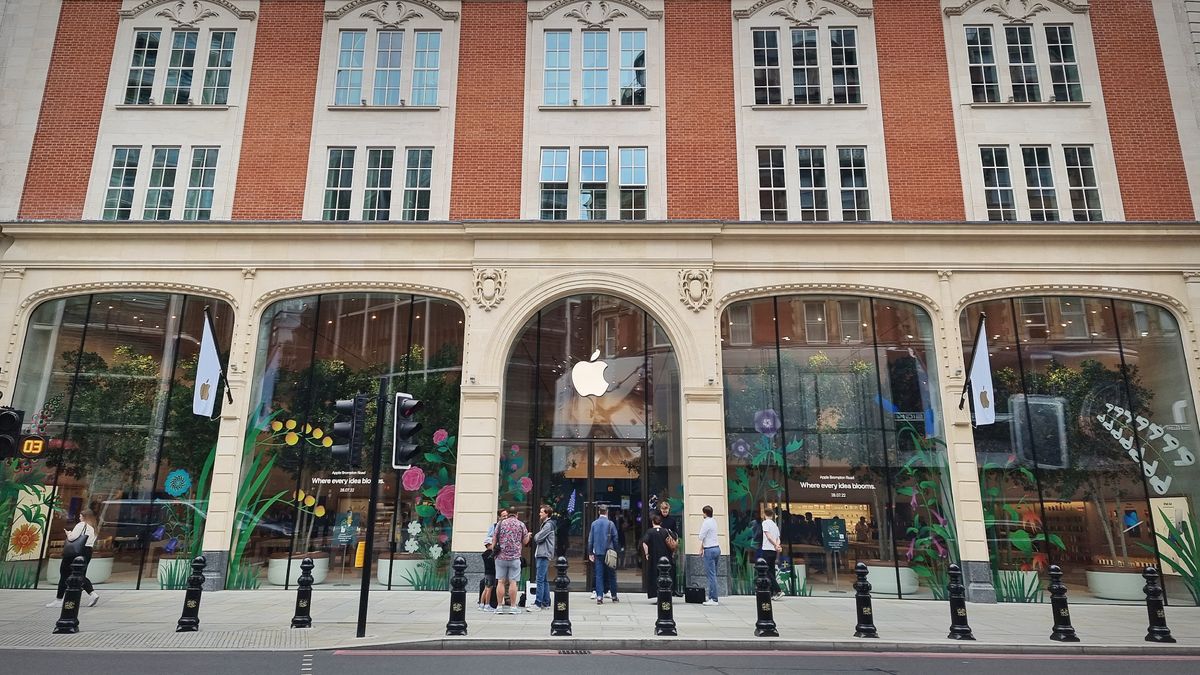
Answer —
(588, 376)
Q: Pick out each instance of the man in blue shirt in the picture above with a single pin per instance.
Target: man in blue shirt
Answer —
(602, 538)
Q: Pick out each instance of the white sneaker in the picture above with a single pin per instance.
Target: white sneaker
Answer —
(710, 603)
(57, 602)
(93, 598)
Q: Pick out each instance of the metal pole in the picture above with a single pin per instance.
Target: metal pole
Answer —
(376, 457)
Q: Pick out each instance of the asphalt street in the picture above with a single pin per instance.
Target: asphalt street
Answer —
(352, 662)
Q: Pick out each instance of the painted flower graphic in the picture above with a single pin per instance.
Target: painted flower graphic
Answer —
(25, 539)
(412, 546)
(170, 546)
(414, 528)
(766, 422)
(440, 435)
(159, 532)
(571, 503)
(413, 478)
(526, 484)
(435, 551)
(740, 448)
(178, 482)
(445, 501)
(514, 450)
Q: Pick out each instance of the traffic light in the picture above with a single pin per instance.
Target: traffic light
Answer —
(349, 430)
(404, 431)
(10, 432)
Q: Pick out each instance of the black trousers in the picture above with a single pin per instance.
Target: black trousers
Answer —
(770, 557)
(64, 571)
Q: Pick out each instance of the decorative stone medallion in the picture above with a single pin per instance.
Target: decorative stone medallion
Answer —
(489, 287)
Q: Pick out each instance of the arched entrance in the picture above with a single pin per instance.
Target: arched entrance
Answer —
(591, 420)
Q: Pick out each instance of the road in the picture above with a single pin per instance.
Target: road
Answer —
(347, 662)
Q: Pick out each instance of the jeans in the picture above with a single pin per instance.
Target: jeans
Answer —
(610, 581)
(543, 587)
(601, 574)
(771, 557)
(711, 556)
(64, 571)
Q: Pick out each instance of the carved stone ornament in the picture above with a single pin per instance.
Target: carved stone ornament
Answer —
(489, 287)
(788, 11)
(695, 288)
(187, 14)
(380, 14)
(606, 11)
(1020, 11)
(391, 20)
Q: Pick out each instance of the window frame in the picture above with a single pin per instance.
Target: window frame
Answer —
(1062, 189)
(202, 74)
(571, 84)
(1007, 89)
(412, 72)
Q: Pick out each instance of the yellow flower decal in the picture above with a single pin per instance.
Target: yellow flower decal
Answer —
(276, 425)
(300, 495)
(290, 424)
(319, 511)
(310, 500)
(291, 438)
(327, 441)
(308, 428)
(317, 433)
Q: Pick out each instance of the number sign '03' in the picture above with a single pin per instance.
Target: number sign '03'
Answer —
(33, 447)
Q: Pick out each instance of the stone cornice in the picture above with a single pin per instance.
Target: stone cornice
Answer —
(763, 4)
(959, 10)
(560, 4)
(138, 10)
(335, 14)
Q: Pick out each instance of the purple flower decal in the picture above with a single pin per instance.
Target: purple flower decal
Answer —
(911, 545)
(913, 502)
(938, 545)
(571, 503)
(766, 422)
(740, 448)
(158, 533)
(169, 547)
(940, 518)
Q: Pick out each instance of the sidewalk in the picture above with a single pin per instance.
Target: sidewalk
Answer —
(260, 620)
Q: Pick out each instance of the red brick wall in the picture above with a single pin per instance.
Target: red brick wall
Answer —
(279, 111)
(60, 162)
(918, 115)
(490, 112)
(1141, 121)
(702, 176)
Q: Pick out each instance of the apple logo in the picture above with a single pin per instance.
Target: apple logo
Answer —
(983, 399)
(588, 376)
(204, 390)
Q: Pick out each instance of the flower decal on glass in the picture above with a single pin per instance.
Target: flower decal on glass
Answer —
(435, 551)
(526, 484)
(766, 422)
(171, 545)
(159, 532)
(445, 501)
(412, 546)
(571, 502)
(413, 478)
(740, 448)
(178, 482)
(25, 539)
(514, 450)
(440, 435)
(414, 528)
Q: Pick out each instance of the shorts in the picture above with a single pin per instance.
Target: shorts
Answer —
(489, 581)
(508, 569)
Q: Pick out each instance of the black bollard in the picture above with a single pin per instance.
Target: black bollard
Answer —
(862, 600)
(666, 610)
(959, 628)
(68, 620)
(190, 619)
(303, 617)
(1063, 630)
(765, 626)
(457, 625)
(561, 625)
(1158, 631)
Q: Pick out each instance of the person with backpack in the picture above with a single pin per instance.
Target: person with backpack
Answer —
(543, 552)
(602, 552)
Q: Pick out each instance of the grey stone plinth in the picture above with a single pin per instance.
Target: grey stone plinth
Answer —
(474, 570)
(694, 573)
(977, 576)
(215, 569)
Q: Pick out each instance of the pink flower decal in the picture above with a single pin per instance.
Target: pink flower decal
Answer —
(440, 435)
(445, 501)
(514, 450)
(413, 478)
(526, 484)
(442, 538)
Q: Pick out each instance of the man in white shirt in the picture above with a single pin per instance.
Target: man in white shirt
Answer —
(712, 553)
(771, 548)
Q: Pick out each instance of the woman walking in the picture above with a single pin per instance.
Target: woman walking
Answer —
(654, 546)
(80, 542)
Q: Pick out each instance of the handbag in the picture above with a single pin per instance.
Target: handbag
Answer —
(74, 549)
(610, 558)
(672, 542)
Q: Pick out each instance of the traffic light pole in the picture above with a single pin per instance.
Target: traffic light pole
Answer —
(376, 460)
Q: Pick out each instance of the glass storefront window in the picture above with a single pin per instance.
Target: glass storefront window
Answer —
(1089, 464)
(108, 380)
(832, 421)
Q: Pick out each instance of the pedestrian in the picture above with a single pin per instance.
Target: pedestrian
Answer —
(656, 544)
(712, 553)
(489, 577)
(543, 552)
(80, 542)
(511, 537)
(862, 531)
(602, 542)
(771, 548)
(671, 525)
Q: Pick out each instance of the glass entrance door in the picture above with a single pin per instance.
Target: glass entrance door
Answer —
(576, 478)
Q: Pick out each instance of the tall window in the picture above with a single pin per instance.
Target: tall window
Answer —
(388, 60)
(772, 193)
(856, 200)
(814, 196)
(1064, 67)
(1081, 177)
(767, 90)
(981, 59)
(338, 181)
(426, 67)
(815, 330)
(203, 176)
(741, 330)
(179, 72)
(633, 180)
(377, 198)
(1072, 317)
(118, 201)
(806, 72)
(633, 67)
(348, 86)
(1039, 181)
(220, 66)
(1033, 317)
(140, 84)
(843, 44)
(557, 82)
(595, 67)
(418, 178)
(1022, 64)
(593, 183)
(553, 180)
(850, 320)
(160, 194)
(997, 183)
